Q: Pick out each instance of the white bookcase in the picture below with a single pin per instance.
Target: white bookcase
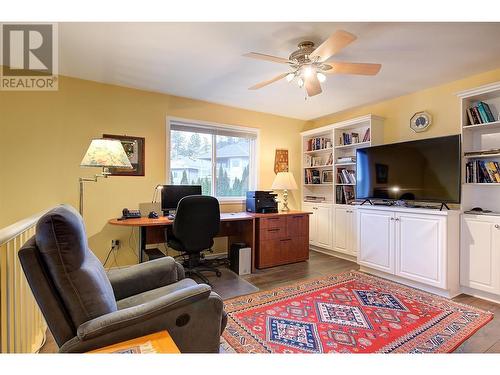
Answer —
(330, 215)
(480, 138)
(480, 233)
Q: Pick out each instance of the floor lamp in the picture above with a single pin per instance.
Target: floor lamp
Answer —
(105, 154)
(284, 181)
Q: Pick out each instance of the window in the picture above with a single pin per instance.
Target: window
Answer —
(219, 158)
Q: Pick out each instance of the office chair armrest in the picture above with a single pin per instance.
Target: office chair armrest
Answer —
(145, 276)
(127, 318)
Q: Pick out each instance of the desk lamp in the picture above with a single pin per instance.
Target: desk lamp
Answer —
(104, 153)
(284, 181)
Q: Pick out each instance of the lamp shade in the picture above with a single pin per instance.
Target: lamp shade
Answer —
(106, 153)
(284, 180)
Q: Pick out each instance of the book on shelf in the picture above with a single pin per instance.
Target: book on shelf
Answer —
(312, 176)
(346, 176)
(344, 194)
(482, 172)
(480, 113)
(308, 161)
(318, 143)
(346, 159)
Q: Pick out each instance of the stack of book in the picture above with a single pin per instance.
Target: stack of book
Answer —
(314, 198)
(312, 176)
(346, 159)
(346, 176)
(483, 172)
(353, 137)
(319, 143)
(480, 114)
(349, 138)
(344, 194)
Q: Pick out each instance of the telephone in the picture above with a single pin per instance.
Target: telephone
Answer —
(130, 214)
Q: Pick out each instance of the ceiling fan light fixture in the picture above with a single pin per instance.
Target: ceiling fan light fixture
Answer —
(308, 71)
(321, 77)
(290, 77)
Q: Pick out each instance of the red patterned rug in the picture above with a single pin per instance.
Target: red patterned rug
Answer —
(349, 313)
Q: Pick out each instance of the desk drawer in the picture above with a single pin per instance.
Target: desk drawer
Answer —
(273, 222)
(272, 233)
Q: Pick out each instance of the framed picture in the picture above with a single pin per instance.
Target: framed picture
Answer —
(135, 149)
(281, 161)
(327, 177)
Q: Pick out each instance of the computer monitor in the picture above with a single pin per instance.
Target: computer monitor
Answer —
(172, 194)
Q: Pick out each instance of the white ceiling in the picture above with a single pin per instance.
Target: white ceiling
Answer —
(203, 60)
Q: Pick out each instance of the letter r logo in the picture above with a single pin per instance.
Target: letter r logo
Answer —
(27, 49)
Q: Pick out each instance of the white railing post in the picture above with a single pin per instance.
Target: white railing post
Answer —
(22, 327)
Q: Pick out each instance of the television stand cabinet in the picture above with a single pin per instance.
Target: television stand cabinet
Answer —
(414, 246)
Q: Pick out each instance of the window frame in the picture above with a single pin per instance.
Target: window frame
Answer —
(213, 126)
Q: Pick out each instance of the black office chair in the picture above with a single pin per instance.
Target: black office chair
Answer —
(196, 223)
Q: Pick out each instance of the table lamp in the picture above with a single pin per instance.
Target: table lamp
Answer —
(104, 153)
(284, 181)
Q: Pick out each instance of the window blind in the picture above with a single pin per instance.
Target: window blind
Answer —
(212, 129)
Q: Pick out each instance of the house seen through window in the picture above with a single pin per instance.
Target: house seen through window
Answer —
(220, 160)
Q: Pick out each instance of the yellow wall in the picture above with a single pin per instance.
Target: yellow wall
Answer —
(440, 101)
(44, 136)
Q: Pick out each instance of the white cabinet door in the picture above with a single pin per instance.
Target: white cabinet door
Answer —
(341, 232)
(376, 239)
(480, 256)
(353, 237)
(421, 248)
(324, 224)
(313, 228)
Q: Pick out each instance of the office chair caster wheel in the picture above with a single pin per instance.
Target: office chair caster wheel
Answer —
(218, 273)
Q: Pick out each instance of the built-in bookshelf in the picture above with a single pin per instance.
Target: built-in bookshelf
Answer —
(480, 123)
(329, 158)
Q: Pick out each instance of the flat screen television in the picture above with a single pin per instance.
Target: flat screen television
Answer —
(425, 170)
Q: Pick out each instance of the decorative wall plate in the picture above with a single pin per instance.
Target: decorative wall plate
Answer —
(420, 121)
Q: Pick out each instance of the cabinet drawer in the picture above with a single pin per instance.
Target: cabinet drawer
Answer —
(272, 233)
(273, 222)
(297, 225)
(269, 253)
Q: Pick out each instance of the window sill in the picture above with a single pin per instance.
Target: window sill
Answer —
(231, 200)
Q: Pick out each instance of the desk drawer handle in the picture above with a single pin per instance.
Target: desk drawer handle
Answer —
(273, 218)
(274, 230)
(298, 217)
(286, 239)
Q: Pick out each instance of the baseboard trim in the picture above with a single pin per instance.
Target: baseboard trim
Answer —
(413, 284)
(334, 253)
(480, 294)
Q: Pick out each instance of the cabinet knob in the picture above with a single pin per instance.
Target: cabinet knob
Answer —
(392, 218)
(497, 226)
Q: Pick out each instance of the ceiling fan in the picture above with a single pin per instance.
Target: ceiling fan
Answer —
(309, 63)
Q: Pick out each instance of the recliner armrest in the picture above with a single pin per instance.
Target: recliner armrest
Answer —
(137, 314)
(145, 276)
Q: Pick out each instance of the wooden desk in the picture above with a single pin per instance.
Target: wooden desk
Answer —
(161, 342)
(237, 227)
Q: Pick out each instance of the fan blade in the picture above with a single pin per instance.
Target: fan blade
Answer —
(268, 82)
(337, 41)
(353, 68)
(313, 86)
(261, 56)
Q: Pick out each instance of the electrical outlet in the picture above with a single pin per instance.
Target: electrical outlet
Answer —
(115, 244)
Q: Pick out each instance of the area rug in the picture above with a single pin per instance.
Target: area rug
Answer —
(348, 313)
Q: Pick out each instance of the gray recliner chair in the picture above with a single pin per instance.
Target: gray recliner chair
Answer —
(85, 308)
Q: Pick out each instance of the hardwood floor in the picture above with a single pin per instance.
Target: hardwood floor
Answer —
(486, 340)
